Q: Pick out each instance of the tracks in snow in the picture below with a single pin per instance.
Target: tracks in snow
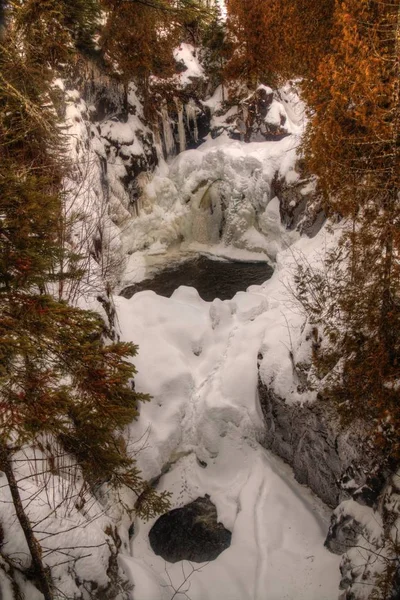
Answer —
(196, 403)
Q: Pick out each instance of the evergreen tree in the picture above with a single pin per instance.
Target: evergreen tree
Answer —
(353, 146)
(277, 40)
(138, 38)
(54, 29)
(254, 43)
(304, 35)
(216, 50)
(138, 41)
(58, 376)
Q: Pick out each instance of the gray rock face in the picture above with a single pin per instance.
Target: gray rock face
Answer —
(339, 468)
(331, 462)
(190, 533)
(300, 205)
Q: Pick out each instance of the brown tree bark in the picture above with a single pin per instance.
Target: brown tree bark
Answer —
(40, 571)
(387, 332)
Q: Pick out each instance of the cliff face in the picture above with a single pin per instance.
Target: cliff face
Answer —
(330, 460)
(341, 469)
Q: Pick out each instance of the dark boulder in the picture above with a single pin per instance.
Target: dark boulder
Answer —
(190, 533)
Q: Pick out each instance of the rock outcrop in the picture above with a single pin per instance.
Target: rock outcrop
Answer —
(346, 473)
(368, 539)
(333, 462)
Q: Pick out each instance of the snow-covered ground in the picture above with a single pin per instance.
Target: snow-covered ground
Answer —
(199, 361)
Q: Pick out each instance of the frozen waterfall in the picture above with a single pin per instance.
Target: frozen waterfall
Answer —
(181, 126)
(169, 140)
(191, 117)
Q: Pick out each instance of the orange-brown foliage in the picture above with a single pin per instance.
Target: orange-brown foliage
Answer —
(353, 145)
(277, 39)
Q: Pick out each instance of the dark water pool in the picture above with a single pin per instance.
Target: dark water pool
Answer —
(211, 278)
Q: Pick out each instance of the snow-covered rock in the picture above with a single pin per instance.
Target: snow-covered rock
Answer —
(369, 538)
(323, 455)
(264, 115)
(199, 361)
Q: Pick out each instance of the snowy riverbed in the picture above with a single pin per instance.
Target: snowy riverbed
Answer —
(199, 361)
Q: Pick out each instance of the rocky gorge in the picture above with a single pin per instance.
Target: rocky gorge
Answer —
(333, 462)
(192, 219)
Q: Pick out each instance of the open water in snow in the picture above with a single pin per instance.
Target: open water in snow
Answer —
(211, 278)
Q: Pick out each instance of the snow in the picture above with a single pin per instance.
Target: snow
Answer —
(146, 585)
(371, 547)
(199, 362)
(266, 89)
(365, 516)
(118, 131)
(275, 113)
(271, 556)
(68, 522)
(214, 102)
(220, 251)
(58, 83)
(186, 53)
(232, 177)
(126, 134)
(294, 106)
(133, 100)
(223, 9)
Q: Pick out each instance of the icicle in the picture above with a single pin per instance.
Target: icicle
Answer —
(191, 117)
(181, 126)
(158, 144)
(167, 131)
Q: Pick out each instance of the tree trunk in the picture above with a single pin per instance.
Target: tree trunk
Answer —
(388, 333)
(41, 572)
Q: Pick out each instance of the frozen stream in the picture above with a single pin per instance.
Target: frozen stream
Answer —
(198, 360)
(201, 361)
